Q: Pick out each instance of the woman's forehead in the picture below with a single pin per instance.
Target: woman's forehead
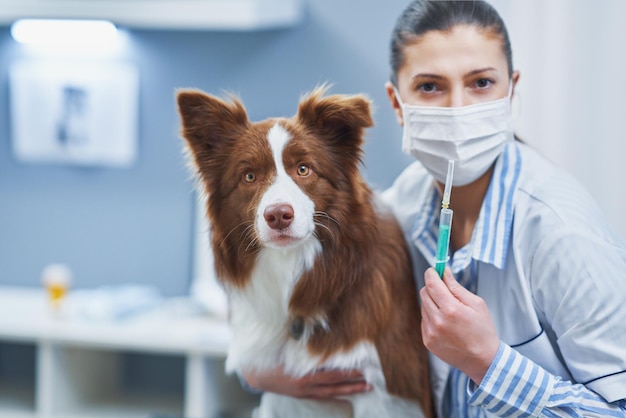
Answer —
(450, 53)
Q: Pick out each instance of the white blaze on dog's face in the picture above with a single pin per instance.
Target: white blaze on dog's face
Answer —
(284, 215)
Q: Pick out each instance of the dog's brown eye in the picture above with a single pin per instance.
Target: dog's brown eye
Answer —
(249, 177)
(303, 170)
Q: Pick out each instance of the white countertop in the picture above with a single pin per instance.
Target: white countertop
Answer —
(26, 315)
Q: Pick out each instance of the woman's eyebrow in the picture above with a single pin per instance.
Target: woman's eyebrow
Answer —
(478, 71)
(440, 77)
(428, 75)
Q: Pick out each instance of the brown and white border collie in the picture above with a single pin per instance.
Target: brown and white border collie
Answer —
(317, 272)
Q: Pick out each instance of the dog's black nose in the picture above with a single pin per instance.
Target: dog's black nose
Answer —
(278, 216)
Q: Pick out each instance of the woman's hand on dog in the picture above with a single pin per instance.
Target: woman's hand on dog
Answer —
(317, 385)
(457, 326)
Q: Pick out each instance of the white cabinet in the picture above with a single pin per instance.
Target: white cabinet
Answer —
(60, 368)
(163, 14)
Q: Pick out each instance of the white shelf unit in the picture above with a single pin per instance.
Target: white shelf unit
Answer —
(79, 367)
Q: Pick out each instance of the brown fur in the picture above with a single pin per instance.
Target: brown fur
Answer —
(362, 279)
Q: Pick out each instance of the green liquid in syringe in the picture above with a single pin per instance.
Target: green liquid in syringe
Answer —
(442, 249)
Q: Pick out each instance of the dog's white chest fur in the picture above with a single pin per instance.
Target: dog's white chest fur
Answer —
(259, 312)
(260, 319)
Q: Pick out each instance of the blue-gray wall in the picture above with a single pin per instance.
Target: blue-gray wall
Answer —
(135, 225)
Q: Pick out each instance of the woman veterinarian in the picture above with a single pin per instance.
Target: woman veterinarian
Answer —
(529, 317)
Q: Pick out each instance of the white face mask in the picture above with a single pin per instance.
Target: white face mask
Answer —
(473, 136)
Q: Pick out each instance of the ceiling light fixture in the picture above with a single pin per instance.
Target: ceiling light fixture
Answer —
(65, 33)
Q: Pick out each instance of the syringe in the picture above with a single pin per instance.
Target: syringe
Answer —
(445, 223)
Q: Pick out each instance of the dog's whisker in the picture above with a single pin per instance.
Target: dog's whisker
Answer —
(325, 227)
(252, 244)
(326, 215)
(234, 229)
(248, 232)
(249, 236)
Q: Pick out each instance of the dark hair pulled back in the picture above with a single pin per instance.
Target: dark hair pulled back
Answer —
(422, 16)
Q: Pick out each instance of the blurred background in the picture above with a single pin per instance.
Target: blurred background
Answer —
(135, 223)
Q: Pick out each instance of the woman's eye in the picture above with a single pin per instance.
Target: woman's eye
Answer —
(427, 87)
(303, 170)
(483, 83)
(249, 177)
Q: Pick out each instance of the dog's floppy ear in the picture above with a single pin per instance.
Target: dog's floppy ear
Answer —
(339, 118)
(208, 121)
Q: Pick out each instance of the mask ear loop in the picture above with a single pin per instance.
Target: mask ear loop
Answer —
(402, 107)
(510, 94)
(397, 93)
(516, 106)
(404, 118)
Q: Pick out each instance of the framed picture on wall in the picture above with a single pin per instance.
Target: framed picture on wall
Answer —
(74, 112)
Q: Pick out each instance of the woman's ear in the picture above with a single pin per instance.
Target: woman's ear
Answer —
(395, 103)
(515, 78)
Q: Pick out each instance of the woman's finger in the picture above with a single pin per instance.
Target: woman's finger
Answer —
(334, 376)
(437, 289)
(428, 304)
(340, 389)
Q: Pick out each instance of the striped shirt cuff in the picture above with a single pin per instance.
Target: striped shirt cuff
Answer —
(245, 385)
(513, 386)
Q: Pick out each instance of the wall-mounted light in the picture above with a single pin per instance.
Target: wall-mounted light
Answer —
(59, 33)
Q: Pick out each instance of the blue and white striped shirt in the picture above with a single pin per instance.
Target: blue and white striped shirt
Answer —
(503, 249)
